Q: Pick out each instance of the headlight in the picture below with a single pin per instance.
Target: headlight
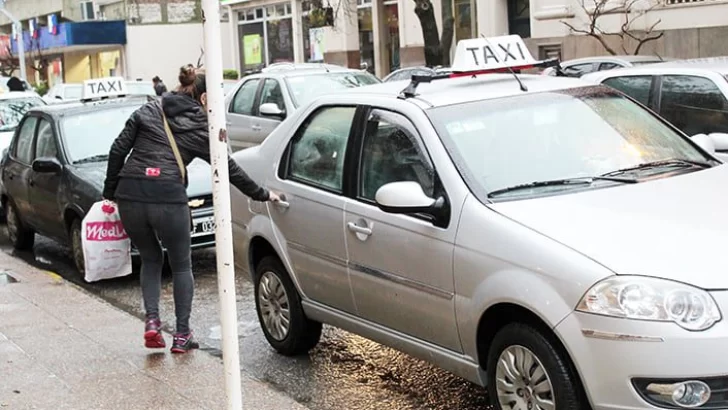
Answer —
(643, 298)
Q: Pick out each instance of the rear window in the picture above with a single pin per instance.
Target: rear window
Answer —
(304, 88)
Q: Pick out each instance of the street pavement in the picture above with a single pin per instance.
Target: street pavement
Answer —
(62, 348)
(344, 371)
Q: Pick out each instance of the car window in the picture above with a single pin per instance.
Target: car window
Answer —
(12, 111)
(317, 153)
(272, 94)
(245, 98)
(578, 70)
(637, 86)
(24, 145)
(694, 104)
(304, 88)
(391, 153)
(608, 66)
(45, 145)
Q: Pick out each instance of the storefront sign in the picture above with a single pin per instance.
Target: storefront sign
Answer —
(316, 38)
(252, 48)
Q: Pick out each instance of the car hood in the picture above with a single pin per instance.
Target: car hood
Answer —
(673, 228)
(199, 176)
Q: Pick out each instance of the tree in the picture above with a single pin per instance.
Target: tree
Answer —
(35, 60)
(631, 11)
(437, 48)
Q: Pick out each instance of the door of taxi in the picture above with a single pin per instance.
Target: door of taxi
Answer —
(43, 187)
(17, 170)
(241, 130)
(311, 215)
(400, 265)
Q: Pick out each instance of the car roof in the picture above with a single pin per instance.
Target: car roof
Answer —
(75, 108)
(293, 70)
(693, 66)
(468, 89)
(18, 94)
(624, 58)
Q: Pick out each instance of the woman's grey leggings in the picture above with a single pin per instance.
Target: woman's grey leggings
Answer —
(147, 224)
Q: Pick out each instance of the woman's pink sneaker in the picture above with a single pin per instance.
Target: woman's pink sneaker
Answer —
(153, 338)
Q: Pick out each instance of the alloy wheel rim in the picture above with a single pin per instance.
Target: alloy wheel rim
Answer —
(12, 224)
(274, 306)
(522, 382)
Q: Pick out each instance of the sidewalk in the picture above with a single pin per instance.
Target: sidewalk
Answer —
(62, 348)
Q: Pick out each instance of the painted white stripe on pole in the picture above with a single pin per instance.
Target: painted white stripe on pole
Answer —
(221, 198)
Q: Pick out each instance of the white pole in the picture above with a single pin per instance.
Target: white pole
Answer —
(221, 199)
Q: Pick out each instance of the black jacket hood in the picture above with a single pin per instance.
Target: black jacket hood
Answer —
(183, 112)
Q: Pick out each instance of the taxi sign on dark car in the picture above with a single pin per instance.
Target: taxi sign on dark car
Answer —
(104, 87)
(477, 54)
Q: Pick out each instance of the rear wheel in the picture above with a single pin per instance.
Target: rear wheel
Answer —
(527, 370)
(77, 246)
(280, 312)
(20, 236)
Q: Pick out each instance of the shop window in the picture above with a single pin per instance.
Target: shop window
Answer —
(280, 40)
(464, 14)
(366, 37)
(519, 17)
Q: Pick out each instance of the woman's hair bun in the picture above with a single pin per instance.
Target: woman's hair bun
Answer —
(187, 75)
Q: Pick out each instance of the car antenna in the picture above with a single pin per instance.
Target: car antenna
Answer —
(510, 70)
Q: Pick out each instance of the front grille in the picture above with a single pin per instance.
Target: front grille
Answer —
(718, 392)
(207, 201)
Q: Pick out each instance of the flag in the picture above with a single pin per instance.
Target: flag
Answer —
(32, 25)
(53, 24)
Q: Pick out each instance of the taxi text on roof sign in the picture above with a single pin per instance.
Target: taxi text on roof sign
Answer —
(104, 87)
(492, 53)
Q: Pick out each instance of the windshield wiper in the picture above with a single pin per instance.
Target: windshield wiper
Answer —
(93, 158)
(561, 182)
(665, 163)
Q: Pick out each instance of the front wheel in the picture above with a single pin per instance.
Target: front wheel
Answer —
(527, 371)
(280, 313)
(20, 236)
(77, 246)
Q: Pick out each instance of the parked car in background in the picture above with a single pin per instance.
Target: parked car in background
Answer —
(691, 94)
(259, 102)
(56, 165)
(581, 66)
(407, 73)
(13, 106)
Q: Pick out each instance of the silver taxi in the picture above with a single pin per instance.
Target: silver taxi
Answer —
(544, 237)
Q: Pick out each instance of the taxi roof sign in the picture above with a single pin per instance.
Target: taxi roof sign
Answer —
(104, 88)
(493, 53)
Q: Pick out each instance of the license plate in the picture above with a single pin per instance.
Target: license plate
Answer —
(203, 226)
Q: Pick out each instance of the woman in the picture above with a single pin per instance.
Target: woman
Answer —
(149, 188)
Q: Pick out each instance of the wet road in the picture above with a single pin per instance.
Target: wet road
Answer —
(343, 372)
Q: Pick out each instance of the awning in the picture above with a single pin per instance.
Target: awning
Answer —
(74, 36)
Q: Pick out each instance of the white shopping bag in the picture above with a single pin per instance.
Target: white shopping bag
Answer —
(106, 246)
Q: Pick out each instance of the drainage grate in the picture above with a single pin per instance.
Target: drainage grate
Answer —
(6, 278)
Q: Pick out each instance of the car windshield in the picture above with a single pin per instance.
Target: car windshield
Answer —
(12, 111)
(578, 133)
(304, 88)
(140, 88)
(89, 135)
(72, 92)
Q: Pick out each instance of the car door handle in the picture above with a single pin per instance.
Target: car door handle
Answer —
(282, 204)
(256, 127)
(359, 229)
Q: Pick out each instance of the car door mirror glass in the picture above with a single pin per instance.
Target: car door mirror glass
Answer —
(719, 140)
(404, 197)
(47, 165)
(705, 142)
(272, 110)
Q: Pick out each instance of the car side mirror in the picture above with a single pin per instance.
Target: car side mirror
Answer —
(47, 166)
(705, 142)
(272, 110)
(720, 141)
(407, 197)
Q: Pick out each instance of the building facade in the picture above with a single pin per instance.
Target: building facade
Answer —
(386, 34)
(136, 39)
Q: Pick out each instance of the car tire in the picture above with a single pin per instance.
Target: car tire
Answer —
(275, 298)
(77, 246)
(550, 374)
(21, 237)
